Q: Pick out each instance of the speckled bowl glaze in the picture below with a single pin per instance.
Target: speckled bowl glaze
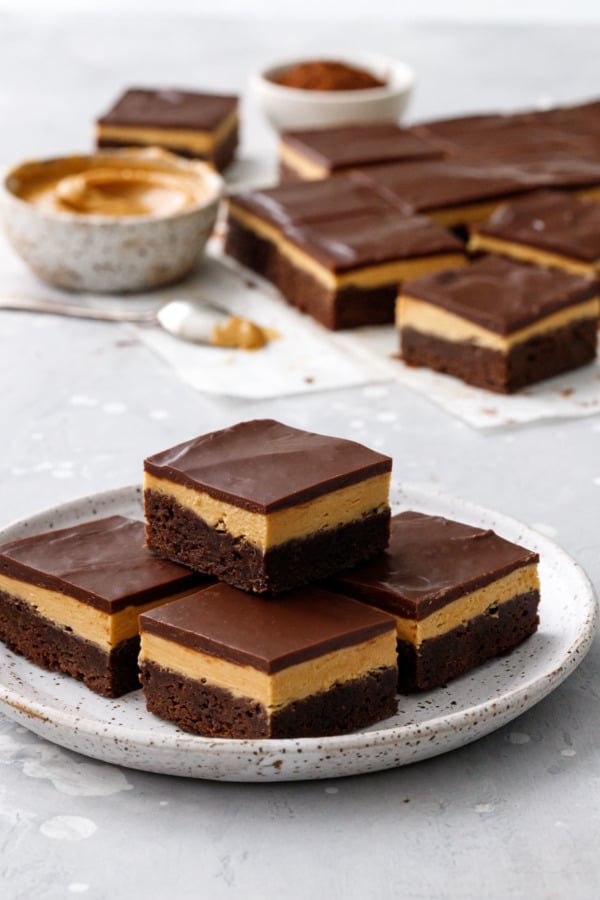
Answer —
(287, 108)
(111, 254)
(122, 732)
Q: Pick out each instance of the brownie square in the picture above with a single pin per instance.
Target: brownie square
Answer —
(70, 599)
(460, 596)
(548, 228)
(255, 218)
(345, 272)
(499, 324)
(266, 507)
(336, 249)
(453, 192)
(315, 154)
(190, 123)
(222, 663)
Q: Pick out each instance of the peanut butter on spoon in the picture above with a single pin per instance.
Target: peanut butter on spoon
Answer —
(203, 323)
(239, 333)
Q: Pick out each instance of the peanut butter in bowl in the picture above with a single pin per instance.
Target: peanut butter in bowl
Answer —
(138, 183)
(115, 221)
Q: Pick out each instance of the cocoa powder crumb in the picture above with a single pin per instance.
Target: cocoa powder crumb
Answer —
(326, 75)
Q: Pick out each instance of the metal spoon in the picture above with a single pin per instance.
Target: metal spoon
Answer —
(185, 319)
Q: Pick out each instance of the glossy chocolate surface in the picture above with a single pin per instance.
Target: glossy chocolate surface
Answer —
(311, 201)
(582, 119)
(457, 127)
(103, 563)
(445, 183)
(372, 238)
(500, 294)
(498, 136)
(359, 145)
(550, 220)
(263, 465)
(430, 562)
(167, 108)
(268, 635)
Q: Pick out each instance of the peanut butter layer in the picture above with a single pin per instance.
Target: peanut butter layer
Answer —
(530, 254)
(429, 319)
(107, 630)
(307, 169)
(195, 141)
(277, 689)
(476, 603)
(554, 227)
(102, 563)
(435, 565)
(427, 249)
(322, 513)
(263, 466)
(504, 296)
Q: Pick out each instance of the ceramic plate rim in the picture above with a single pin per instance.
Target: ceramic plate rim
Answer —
(536, 686)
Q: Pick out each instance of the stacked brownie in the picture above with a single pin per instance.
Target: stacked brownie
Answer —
(268, 510)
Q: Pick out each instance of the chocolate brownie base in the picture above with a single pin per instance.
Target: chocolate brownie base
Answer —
(543, 356)
(440, 659)
(214, 712)
(349, 307)
(249, 249)
(221, 157)
(175, 533)
(54, 648)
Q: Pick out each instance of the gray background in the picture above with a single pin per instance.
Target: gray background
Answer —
(513, 815)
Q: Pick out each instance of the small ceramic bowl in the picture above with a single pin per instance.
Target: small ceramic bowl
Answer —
(289, 108)
(111, 253)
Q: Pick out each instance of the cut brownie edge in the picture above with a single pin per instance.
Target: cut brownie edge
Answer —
(249, 248)
(212, 711)
(52, 647)
(221, 156)
(441, 659)
(174, 532)
(542, 356)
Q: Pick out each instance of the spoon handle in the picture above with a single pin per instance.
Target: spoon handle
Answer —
(57, 308)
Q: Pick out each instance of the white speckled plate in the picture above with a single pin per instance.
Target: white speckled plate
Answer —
(122, 732)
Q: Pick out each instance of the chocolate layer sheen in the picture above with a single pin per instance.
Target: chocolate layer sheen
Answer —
(359, 145)
(169, 109)
(104, 563)
(500, 294)
(445, 183)
(268, 635)
(550, 220)
(311, 201)
(430, 562)
(263, 465)
(372, 238)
